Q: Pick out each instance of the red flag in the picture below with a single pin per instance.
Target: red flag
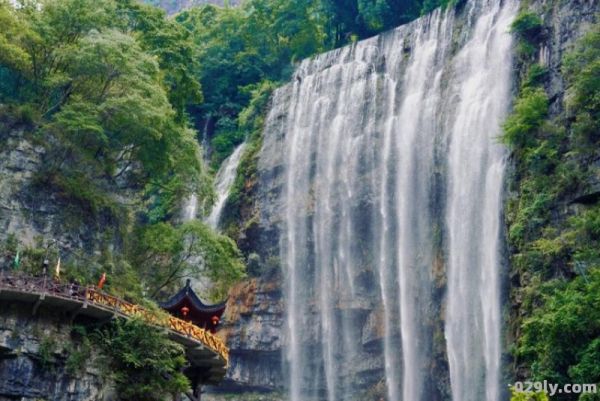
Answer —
(102, 281)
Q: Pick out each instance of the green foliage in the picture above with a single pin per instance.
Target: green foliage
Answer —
(46, 352)
(110, 82)
(524, 396)
(530, 111)
(174, 48)
(105, 87)
(563, 334)
(556, 255)
(79, 351)
(528, 28)
(582, 70)
(527, 25)
(251, 122)
(243, 46)
(363, 18)
(535, 76)
(170, 253)
(240, 47)
(144, 363)
(30, 257)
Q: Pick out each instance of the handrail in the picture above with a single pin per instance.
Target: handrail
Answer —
(92, 295)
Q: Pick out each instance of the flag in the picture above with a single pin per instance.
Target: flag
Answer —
(102, 281)
(17, 260)
(57, 272)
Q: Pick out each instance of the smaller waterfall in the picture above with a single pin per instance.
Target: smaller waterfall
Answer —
(191, 208)
(223, 182)
(205, 144)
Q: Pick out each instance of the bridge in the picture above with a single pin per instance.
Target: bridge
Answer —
(207, 354)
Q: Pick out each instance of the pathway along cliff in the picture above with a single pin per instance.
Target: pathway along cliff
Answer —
(207, 354)
(391, 185)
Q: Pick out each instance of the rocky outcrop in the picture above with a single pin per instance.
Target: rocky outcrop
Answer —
(23, 210)
(252, 329)
(563, 23)
(40, 359)
(42, 216)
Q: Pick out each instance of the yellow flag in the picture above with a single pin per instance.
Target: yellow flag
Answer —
(57, 273)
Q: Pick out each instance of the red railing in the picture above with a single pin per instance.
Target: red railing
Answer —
(93, 296)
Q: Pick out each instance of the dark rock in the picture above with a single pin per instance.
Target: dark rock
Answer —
(34, 351)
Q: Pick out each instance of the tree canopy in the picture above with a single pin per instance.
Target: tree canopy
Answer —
(105, 86)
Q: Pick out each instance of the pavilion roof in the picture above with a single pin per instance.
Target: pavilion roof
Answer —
(186, 296)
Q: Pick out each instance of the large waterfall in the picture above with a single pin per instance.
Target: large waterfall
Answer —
(390, 210)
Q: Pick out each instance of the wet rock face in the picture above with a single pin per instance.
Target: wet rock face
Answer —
(34, 359)
(253, 331)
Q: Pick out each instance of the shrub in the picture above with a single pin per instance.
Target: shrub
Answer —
(144, 363)
(527, 25)
(530, 111)
(563, 335)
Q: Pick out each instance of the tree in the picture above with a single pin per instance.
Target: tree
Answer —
(144, 363)
(170, 253)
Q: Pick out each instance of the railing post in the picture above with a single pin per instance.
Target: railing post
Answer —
(85, 297)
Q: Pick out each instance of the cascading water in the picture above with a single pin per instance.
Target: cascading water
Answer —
(475, 171)
(223, 182)
(190, 208)
(392, 181)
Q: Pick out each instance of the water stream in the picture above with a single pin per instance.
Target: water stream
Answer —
(391, 209)
(223, 182)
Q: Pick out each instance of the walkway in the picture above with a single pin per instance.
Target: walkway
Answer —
(203, 349)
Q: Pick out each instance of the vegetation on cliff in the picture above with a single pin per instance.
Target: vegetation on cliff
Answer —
(104, 87)
(554, 219)
(144, 364)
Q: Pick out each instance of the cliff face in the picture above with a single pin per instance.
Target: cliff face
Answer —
(39, 359)
(563, 23)
(40, 215)
(259, 328)
(253, 332)
(22, 209)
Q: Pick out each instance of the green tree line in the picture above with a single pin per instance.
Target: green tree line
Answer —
(239, 47)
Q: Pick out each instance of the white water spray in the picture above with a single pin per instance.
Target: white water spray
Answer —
(389, 162)
(223, 182)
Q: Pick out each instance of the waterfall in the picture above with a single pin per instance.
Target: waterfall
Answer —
(473, 217)
(223, 182)
(190, 208)
(390, 194)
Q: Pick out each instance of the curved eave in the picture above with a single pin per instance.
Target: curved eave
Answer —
(174, 303)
